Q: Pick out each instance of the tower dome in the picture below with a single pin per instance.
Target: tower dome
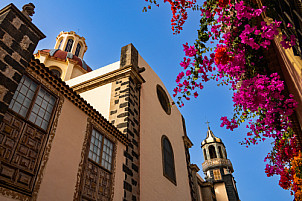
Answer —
(216, 163)
(217, 167)
(66, 59)
(210, 138)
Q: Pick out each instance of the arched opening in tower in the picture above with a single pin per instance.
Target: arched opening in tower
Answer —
(212, 152)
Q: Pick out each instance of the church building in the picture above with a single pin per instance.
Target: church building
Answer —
(68, 132)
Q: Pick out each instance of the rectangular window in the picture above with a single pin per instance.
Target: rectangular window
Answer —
(101, 150)
(97, 175)
(23, 135)
(217, 175)
(32, 102)
(23, 96)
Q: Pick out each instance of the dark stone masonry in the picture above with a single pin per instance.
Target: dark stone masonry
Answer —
(124, 109)
(18, 40)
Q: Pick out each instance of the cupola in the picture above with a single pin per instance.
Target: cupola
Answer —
(71, 42)
(210, 138)
(216, 163)
(66, 59)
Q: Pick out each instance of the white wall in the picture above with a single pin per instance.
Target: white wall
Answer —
(99, 98)
(93, 74)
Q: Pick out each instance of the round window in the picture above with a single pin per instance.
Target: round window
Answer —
(163, 99)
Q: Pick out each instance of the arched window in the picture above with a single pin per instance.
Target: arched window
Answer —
(205, 155)
(56, 72)
(77, 52)
(226, 156)
(69, 45)
(212, 152)
(163, 99)
(220, 152)
(168, 160)
(60, 44)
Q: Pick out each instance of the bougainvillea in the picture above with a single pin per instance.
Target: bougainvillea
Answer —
(242, 36)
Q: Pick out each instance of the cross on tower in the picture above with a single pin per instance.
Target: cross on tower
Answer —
(207, 122)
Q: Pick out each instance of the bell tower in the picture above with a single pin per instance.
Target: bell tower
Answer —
(218, 168)
(71, 42)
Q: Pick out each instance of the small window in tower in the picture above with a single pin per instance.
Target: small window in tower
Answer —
(77, 52)
(168, 160)
(69, 45)
(56, 72)
(163, 99)
(212, 152)
(220, 152)
(60, 44)
(205, 155)
(217, 175)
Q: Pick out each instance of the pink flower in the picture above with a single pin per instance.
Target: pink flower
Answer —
(189, 50)
(195, 94)
(186, 83)
(185, 63)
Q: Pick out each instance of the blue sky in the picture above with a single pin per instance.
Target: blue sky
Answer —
(109, 25)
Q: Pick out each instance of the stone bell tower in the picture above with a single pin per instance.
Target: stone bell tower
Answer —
(218, 169)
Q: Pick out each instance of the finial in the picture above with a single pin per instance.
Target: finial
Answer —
(207, 122)
(28, 10)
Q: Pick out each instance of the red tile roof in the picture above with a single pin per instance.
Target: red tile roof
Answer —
(62, 55)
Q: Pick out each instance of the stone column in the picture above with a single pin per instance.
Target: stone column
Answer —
(195, 169)
(18, 40)
(125, 115)
(129, 56)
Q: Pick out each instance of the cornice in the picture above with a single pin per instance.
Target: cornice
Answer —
(109, 78)
(194, 167)
(187, 141)
(63, 61)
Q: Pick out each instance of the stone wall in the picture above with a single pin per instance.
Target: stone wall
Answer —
(18, 40)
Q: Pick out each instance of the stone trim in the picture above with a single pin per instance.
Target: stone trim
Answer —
(81, 168)
(125, 115)
(13, 194)
(84, 158)
(76, 99)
